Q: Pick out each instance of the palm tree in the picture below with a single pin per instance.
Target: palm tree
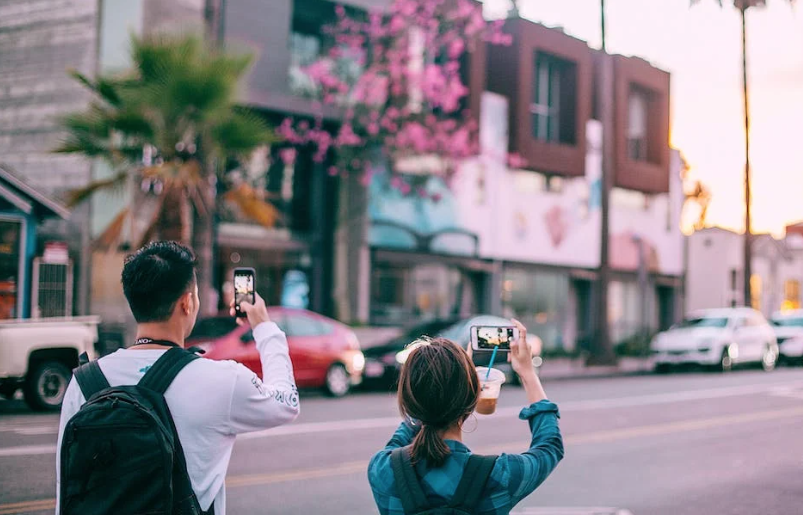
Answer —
(743, 6)
(172, 133)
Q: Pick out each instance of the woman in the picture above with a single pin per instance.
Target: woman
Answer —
(438, 391)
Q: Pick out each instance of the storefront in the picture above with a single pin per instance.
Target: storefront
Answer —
(411, 287)
(21, 209)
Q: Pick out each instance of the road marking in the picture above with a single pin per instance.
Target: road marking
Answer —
(565, 407)
(580, 439)
(27, 450)
(27, 507)
(556, 510)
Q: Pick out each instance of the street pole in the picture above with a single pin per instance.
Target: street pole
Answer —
(602, 23)
(748, 297)
(601, 351)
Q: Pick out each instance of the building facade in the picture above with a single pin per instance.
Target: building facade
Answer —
(715, 274)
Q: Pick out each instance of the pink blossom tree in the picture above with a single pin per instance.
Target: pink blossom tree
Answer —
(407, 105)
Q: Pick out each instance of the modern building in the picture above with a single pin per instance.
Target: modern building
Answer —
(518, 241)
(714, 277)
(525, 242)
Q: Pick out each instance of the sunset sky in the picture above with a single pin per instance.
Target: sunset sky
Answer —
(700, 46)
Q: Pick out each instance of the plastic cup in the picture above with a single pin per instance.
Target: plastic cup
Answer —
(490, 389)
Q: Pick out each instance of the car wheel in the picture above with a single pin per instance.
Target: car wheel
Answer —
(769, 359)
(663, 368)
(725, 361)
(46, 385)
(338, 382)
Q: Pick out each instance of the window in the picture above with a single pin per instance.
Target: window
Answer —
(637, 124)
(10, 249)
(791, 289)
(719, 322)
(733, 279)
(303, 325)
(755, 292)
(554, 99)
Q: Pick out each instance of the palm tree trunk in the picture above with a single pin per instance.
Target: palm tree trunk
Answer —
(748, 273)
(203, 243)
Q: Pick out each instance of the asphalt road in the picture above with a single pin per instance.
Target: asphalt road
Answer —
(679, 444)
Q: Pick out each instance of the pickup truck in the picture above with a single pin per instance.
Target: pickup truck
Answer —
(40, 355)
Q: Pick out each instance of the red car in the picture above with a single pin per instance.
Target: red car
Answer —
(325, 353)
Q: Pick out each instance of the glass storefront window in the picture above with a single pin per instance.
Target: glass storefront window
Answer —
(539, 300)
(401, 295)
(625, 310)
(10, 243)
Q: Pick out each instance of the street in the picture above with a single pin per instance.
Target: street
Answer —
(688, 443)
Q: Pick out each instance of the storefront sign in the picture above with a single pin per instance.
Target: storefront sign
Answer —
(56, 253)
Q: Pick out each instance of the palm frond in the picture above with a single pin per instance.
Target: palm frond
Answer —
(252, 206)
(111, 237)
(103, 88)
(241, 133)
(114, 183)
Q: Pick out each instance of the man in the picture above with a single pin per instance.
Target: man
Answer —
(210, 401)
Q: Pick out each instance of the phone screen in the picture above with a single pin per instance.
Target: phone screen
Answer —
(243, 287)
(490, 337)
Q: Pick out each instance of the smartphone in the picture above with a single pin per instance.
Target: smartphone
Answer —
(485, 338)
(244, 288)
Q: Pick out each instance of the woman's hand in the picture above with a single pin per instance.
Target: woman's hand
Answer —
(521, 356)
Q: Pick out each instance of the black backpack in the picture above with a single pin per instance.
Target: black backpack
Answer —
(120, 454)
(466, 497)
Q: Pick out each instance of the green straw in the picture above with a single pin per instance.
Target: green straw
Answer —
(491, 363)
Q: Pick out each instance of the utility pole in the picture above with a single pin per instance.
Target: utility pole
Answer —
(748, 273)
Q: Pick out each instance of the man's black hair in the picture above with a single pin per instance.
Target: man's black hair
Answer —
(155, 277)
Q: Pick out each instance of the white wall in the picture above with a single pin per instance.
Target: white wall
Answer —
(713, 253)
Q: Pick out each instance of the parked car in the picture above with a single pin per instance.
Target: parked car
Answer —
(39, 356)
(720, 338)
(325, 353)
(788, 328)
(383, 362)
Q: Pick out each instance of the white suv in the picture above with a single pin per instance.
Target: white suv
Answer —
(719, 338)
(789, 331)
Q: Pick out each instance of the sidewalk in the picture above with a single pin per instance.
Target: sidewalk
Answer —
(555, 369)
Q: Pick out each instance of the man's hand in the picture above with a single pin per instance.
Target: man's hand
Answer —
(521, 356)
(256, 313)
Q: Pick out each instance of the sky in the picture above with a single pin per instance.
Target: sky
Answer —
(701, 47)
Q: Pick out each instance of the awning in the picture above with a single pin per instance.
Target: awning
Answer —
(23, 197)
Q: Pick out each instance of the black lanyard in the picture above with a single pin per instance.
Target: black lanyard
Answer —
(150, 341)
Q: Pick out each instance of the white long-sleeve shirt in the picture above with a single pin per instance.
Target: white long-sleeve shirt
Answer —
(211, 402)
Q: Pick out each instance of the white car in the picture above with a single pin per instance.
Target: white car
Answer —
(788, 326)
(720, 338)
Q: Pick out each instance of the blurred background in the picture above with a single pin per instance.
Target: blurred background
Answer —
(606, 171)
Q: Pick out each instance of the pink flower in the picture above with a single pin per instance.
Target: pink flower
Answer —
(288, 155)
(332, 171)
(396, 182)
(436, 197)
(516, 161)
(347, 137)
(456, 48)
(405, 188)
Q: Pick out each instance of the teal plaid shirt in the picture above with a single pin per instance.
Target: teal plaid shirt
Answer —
(514, 477)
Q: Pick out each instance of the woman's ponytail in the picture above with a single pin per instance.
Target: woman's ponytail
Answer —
(429, 445)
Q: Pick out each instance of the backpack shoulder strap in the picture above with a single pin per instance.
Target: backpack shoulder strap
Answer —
(91, 379)
(166, 368)
(409, 489)
(471, 486)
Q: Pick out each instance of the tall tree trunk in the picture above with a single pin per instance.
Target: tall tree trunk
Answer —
(747, 256)
(203, 243)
